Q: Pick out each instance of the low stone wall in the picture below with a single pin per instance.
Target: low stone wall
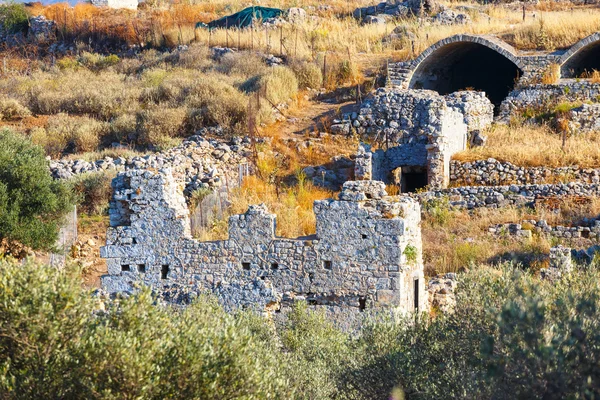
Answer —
(492, 172)
(537, 97)
(197, 162)
(470, 197)
(591, 230)
(366, 254)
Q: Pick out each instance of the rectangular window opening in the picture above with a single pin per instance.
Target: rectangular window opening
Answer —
(246, 266)
(164, 272)
(362, 303)
(125, 268)
(141, 268)
(327, 265)
(274, 265)
(416, 291)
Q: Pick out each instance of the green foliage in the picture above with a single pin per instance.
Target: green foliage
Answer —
(512, 335)
(14, 17)
(410, 252)
(32, 204)
(58, 341)
(439, 210)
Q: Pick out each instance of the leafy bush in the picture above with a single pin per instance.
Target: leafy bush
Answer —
(158, 126)
(32, 204)
(57, 341)
(279, 85)
(511, 336)
(14, 17)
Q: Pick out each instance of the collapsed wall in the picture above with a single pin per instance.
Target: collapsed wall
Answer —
(366, 254)
(420, 131)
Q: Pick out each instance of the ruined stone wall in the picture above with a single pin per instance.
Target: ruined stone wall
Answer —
(469, 197)
(366, 254)
(539, 96)
(420, 128)
(492, 172)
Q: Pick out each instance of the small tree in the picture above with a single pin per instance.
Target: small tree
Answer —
(32, 204)
(14, 17)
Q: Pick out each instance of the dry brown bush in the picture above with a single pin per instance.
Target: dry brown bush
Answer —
(158, 126)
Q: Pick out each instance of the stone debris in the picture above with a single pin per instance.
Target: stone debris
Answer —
(561, 263)
(198, 163)
(396, 8)
(584, 119)
(366, 254)
(441, 292)
(451, 17)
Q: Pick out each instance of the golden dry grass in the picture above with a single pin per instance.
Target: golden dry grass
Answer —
(530, 146)
(461, 240)
(292, 205)
(545, 27)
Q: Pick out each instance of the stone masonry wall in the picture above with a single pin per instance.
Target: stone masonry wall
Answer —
(420, 128)
(538, 96)
(366, 254)
(492, 172)
(469, 197)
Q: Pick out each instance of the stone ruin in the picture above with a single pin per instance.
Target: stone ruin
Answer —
(366, 254)
(417, 131)
(127, 4)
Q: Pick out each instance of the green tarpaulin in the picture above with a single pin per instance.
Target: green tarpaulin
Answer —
(242, 19)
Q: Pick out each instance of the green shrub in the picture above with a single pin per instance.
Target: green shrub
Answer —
(158, 126)
(32, 204)
(214, 102)
(58, 341)
(14, 17)
(511, 335)
(97, 62)
(243, 65)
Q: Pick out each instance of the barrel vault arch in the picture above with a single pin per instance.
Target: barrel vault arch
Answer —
(467, 61)
(583, 56)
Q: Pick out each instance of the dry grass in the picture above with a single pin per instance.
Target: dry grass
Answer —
(292, 205)
(531, 146)
(455, 240)
(551, 75)
(460, 240)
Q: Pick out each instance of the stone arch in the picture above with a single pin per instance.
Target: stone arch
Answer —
(581, 57)
(467, 61)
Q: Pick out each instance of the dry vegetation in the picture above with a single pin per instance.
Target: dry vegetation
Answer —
(293, 206)
(531, 145)
(455, 240)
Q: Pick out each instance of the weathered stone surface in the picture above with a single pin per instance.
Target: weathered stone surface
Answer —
(492, 172)
(441, 292)
(470, 197)
(366, 254)
(419, 128)
(197, 163)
